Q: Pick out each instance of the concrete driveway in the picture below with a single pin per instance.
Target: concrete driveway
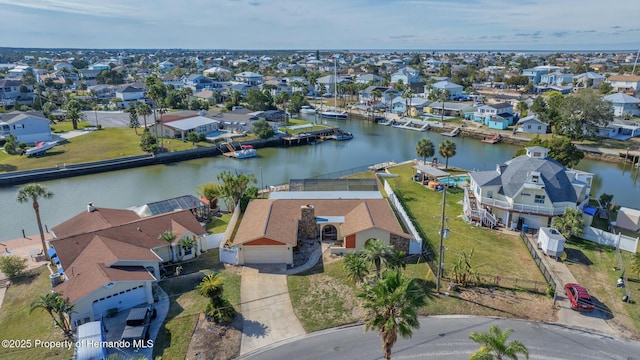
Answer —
(267, 312)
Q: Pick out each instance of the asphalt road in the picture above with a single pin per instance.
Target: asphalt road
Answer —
(447, 337)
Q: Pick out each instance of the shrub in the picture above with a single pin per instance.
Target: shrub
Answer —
(13, 265)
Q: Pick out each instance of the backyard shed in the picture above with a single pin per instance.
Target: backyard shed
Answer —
(551, 242)
(628, 219)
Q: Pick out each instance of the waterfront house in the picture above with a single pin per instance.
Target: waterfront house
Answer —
(366, 96)
(451, 109)
(530, 189)
(272, 228)
(629, 84)
(28, 127)
(502, 110)
(110, 258)
(623, 104)
(532, 125)
(179, 127)
(413, 106)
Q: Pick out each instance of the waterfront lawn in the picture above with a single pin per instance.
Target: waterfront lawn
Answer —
(496, 253)
(593, 267)
(186, 304)
(218, 224)
(19, 323)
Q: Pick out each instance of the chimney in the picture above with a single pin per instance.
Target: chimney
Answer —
(307, 228)
(91, 208)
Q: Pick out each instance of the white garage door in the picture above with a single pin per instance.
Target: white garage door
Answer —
(122, 300)
(534, 222)
(266, 254)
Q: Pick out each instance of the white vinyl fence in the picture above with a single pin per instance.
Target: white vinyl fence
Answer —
(602, 237)
(415, 247)
(229, 255)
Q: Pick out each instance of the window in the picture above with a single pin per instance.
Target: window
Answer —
(539, 127)
(534, 179)
(539, 199)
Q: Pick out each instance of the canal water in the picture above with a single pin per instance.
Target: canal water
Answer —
(372, 144)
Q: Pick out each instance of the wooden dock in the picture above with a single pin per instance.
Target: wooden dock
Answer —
(453, 133)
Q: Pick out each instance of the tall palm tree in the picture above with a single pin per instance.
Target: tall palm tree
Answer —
(74, 113)
(169, 236)
(211, 286)
(425, 149)
(447, 149)
(494, 345)
(34, 192)
(377, 252)
(356, 267)
(392, 304)
(144, 110)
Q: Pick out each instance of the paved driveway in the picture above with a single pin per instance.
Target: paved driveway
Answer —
(267, 312)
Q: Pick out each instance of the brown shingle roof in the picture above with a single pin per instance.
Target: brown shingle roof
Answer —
(90, 259)
(278, 219)
(624, 78)
(99, 219)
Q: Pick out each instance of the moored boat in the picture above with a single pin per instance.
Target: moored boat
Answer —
(306, 109)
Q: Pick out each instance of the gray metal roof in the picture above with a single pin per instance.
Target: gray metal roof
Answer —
(430, 170)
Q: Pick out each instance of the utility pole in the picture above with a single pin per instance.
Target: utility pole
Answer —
(441, 253)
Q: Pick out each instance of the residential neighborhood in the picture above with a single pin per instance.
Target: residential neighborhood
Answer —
(236, 215)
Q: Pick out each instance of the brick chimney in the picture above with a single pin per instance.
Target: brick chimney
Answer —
(307, 228)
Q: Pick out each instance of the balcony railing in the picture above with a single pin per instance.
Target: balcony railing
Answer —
(536, 209)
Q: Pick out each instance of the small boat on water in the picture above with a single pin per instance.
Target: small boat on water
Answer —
(333, 114)
(496, 138)
(247, 151)
(306, 109)
(385, 122)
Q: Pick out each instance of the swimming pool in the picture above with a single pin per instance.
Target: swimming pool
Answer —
(455, 180)
(217, 133)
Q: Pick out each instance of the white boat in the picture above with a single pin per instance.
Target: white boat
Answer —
(306, 109)
(333, 114)
(40, 148)
(247, 152)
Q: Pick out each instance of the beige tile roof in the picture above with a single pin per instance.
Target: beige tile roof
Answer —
(88, 258)
(277, 219)
(624, 78)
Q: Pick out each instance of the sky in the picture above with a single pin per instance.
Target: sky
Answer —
(323, 24)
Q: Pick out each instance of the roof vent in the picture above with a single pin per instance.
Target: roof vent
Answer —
(91, 208)
(139, 229)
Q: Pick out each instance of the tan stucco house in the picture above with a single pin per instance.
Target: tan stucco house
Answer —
(271, 229)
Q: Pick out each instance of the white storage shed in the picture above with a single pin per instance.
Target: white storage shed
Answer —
(551, 242)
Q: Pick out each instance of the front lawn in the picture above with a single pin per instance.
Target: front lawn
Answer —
(594, 267)
(17, 322)
(186, 304)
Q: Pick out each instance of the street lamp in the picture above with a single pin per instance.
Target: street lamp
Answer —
(443, 233)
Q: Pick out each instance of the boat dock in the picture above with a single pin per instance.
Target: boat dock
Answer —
(493, 140)
(453, 133)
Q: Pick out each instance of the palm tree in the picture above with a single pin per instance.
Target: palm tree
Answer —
(74, 113)
(210, 191)
(392, 304)
(34, 192)
(144, 110)
(447, 149)
(376, 252)
(356, 267)
(494, 345)
(635, 264)
(211, 286)
(570, 223)
(57, 307)
(425, 149)
(169, 236)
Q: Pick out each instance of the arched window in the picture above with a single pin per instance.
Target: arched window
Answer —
(329, 232)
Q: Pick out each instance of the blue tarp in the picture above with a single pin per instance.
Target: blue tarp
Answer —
(60, 271)
(56, 260)
(589, 210)
(52, 252)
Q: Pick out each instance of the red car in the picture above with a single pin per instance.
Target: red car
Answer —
(579, 297)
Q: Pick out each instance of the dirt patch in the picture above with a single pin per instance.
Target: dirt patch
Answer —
(211, 341)
(345, 311)
(507, 303)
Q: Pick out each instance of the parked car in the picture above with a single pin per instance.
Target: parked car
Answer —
(579, 297)
(138, 323)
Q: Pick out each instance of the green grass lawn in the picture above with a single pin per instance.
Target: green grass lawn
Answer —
(593, 267)
(496, 253)
(17, 322)
(186, 304)
(219, 224)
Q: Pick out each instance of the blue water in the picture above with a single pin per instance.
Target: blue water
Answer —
(217, 133)
(455, 180)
